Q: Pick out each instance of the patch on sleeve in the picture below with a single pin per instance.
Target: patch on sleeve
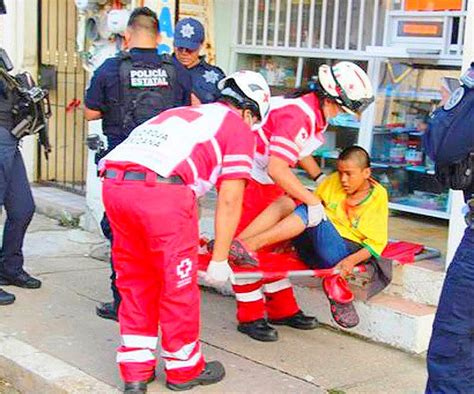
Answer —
(454, 99)
(301, 137)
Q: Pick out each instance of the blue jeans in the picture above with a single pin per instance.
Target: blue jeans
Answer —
(451, 351)
(16, 197)
(320, 246)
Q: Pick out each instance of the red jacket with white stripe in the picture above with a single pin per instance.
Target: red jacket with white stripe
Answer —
(203, 144)
(292, 130)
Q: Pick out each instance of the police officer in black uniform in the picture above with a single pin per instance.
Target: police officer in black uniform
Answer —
(15, 196)
(188, 40)
(130, 88)
(449, 141)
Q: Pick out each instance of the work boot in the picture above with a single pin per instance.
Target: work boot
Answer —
(213, 372)
(6, 298)
(259, 330)
(138, 387)
(23, 280)
(299, 321)
(107, 310)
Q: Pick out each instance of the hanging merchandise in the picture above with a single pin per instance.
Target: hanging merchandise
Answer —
(101, 25)
(117, 21)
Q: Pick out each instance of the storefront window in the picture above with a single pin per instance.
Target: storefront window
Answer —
(279, 71)
(406, 95)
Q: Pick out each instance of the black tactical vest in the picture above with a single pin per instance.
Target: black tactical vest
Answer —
(146, 89)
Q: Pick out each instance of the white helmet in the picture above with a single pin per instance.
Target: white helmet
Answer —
(249, 90)
(348, 85)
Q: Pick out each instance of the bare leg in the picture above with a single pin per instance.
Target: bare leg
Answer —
(288, 228)
(275, 212)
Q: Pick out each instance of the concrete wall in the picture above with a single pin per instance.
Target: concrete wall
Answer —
(20, 39)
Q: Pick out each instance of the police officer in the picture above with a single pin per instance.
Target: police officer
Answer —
(188, 41)
(449, 141)
(130, 88)
(15, 196)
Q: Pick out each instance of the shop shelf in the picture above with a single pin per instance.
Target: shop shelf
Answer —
(421, 169)
(420, 211)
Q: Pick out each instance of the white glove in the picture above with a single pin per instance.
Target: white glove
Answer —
(218, 272)
(316, 214)
(319, 179)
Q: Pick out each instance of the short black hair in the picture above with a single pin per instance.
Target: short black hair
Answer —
(142, 18)
(356, 153)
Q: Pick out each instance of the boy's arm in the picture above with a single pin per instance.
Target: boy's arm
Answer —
(347, 264)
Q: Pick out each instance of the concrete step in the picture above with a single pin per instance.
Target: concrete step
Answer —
(385, 318)
(420, 282)
(58, 204)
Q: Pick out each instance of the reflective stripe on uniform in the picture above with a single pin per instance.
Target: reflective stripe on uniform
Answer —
(139, 341)
(241, 282)
(135, 356)
(277, 286)
(175, 364)
(181, 354)
(250, 296)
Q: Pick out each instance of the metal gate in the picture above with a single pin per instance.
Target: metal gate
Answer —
(67, 164)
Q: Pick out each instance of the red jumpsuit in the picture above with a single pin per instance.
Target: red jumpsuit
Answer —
(292, 130)
(155, 229)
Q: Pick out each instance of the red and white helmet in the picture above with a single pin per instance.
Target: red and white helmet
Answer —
(249, 89)
(348, 85)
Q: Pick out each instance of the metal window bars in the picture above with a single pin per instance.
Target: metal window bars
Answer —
(335, 26)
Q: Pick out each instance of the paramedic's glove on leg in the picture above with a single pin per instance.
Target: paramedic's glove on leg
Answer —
(218, 272)
(316, 214)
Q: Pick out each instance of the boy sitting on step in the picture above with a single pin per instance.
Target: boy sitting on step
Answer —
(355, 230)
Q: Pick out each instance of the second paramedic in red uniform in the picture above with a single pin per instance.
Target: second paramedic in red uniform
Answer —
(292, 131)
(150, 188)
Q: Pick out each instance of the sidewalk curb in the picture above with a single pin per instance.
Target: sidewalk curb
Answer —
(31, 371)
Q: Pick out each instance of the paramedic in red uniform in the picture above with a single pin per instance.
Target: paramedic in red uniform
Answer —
(151, 182)
(292, 131)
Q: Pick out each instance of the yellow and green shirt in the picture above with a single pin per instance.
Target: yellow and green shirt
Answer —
(366, 223)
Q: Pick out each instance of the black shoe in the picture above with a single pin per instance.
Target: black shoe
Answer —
(259, 330)
(298, 320)
(137, 387)
(107, 310)
(213, 372)
(23, 280)
(6, 298)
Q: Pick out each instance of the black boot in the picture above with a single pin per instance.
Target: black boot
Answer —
(6, 298)
(24, 280)
(213, 372)
(259, 330)
(138, 387)
(107, 310)
(299, 321)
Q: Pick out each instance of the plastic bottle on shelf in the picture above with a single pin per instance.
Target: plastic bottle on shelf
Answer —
(398, 148)
(414, 154)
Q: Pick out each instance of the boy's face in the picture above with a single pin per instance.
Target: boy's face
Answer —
(353, 177)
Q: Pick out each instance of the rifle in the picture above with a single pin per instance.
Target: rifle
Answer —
(31, 108)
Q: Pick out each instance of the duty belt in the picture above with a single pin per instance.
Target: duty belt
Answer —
(141, 176)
